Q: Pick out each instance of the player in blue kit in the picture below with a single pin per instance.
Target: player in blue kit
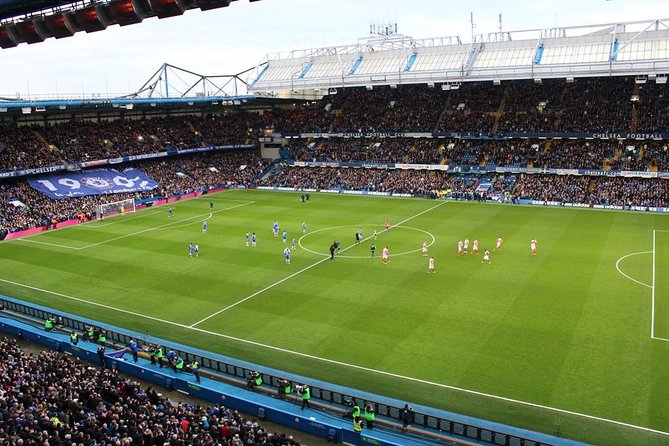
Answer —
(196, 250)
(304, 227)
(204, 227)
(275, 228)
(286, 255)
(190, 250)
(246, 238)
(253, 239)
(285, 237)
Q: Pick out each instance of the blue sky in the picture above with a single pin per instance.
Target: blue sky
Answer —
(228, 40)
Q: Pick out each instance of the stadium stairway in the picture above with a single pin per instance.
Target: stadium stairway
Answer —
(327, 420)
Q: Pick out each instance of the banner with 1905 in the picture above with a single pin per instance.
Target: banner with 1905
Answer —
(92, 182)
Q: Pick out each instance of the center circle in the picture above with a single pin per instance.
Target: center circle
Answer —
(429, 234)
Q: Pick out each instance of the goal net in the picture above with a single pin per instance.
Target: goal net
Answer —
(116, 207)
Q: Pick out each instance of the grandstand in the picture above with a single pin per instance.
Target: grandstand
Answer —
(550, 119)
(615, 49)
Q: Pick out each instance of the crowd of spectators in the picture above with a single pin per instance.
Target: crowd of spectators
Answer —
(421, 182)
(569, 189)
(541, 153)
(78, 141)
(57, 400)
(387, 150)
(590, 105)
(619, 191)
(561, 188)
(22, 207)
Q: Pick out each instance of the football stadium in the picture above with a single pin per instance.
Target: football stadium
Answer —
(400, 241)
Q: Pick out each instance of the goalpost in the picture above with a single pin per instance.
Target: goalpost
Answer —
(115, 208)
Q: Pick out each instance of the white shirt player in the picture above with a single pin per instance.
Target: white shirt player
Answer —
(424, 249)
(499, 243)
(430, 265)
(385, 254)
(475, 246)
(459, 247)
(466, 244)
(533, 246)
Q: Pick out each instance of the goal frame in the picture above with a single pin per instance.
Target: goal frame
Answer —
(120, 207)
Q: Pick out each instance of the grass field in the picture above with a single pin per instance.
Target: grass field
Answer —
(554, 341)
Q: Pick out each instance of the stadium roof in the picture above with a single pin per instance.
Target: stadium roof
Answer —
(33, 21)
(613, 49)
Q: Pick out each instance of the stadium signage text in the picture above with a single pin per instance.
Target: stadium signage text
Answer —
(482, 136)
(629, 135)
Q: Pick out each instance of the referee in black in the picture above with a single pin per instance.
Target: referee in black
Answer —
(333, 248)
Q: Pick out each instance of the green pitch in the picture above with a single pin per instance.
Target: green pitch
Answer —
(545, 342)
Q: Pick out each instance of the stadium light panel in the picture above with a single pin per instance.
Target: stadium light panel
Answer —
(124, 13)
(58, 27)
(167, 8)
(90, 19)
(640, 80)
(29, 32)
(661, 80)
(497, 82)
(206, 5)
(8, 39)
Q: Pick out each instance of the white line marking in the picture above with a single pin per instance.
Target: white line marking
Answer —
(197, 222)
(47, 243)
(119, 220)
(652, 293)
(344, 364)
(299, 242)
(661, 339)
(631, 278)
(163, 226)
(78, 299)
(318, 262)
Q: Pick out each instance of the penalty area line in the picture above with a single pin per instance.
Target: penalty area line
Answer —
(318, 262)
(347, 365)
(155, 228)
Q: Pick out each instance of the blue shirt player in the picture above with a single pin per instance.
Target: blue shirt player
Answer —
(246, 238)
(275, 229)
(204, 227)
(196, 250)
(285, 237)
(190, 250)
(253, 239)
(304, 227)
(286, 255)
